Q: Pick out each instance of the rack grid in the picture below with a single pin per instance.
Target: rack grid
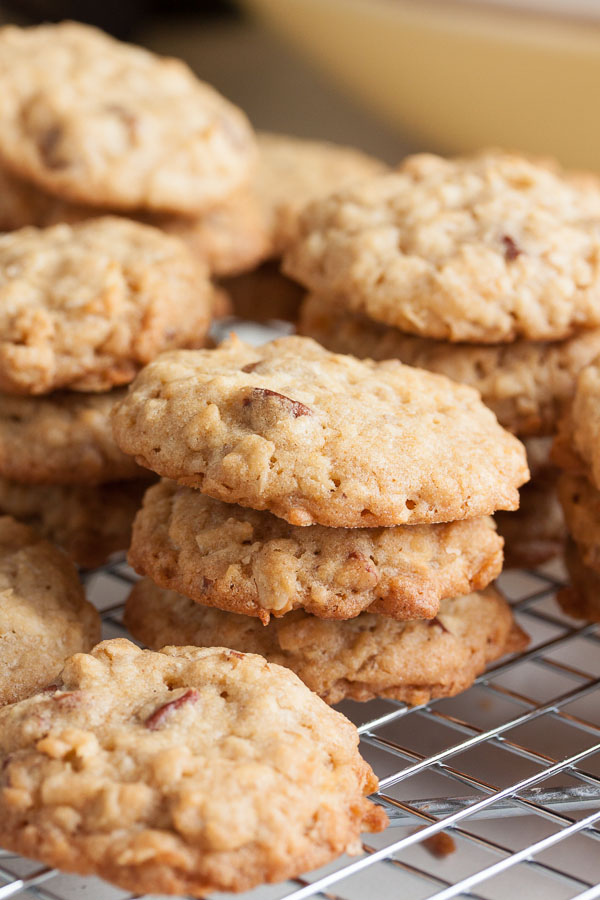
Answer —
(509, 771)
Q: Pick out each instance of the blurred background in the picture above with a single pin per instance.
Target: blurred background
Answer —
(389, 76)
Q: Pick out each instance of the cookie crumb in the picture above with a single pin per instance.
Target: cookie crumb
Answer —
(439, 845)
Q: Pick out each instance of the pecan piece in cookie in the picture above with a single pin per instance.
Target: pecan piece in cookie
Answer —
(292, 407)
(123, 785)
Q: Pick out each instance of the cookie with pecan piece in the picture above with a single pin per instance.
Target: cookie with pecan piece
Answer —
(321, 438)
(114, 772)
(486, 249)
(97, 121)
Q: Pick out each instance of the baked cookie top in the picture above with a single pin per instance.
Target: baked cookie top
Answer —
(527, 384)
(89, 522)
(106, 123)
(115, 772)
(257, 564)
(369, 656)
(319, 438)
(487, 248)
(44, 616)
(85, 306)
(63, 438)
(292, 172)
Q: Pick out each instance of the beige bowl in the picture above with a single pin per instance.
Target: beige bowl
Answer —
(459, 76)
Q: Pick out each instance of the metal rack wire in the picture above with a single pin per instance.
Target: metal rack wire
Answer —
(510, 770)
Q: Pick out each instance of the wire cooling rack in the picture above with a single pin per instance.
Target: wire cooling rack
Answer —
(509, 770)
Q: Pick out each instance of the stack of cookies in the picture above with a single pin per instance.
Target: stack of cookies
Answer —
(485, 269)
(82, 309)
(91, 125)
(140, 136)
(187, 771)
(577, 451)
(348, 501)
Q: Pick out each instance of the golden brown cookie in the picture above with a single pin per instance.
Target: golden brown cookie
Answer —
(114, 773)
(89, 523)
(86, 306)
(580, 501)
(527, 384)
(488, 248)
(252, 562)
(578, 443)
(109, 124)
(233, 236)
(581, 598)
(318, 438)
(366, 657)
(44, 616)
(63, 438)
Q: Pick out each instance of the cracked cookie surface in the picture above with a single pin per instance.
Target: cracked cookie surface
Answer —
(527, 384)
(320, 438)
(485, 249)
(114, 773)
(101, 122)
(44, 616)
(252, 562)
(86, 306)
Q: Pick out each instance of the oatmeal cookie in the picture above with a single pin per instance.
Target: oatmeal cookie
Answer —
(109, 124)
(488, 249)
(366, 657)
(318, 438)
(114, 772)
(86, 306)
(88, 522)
(63, 438)
(44, 616)
(580, 501)
(581, 598)
(527, 384)
(252, 562)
